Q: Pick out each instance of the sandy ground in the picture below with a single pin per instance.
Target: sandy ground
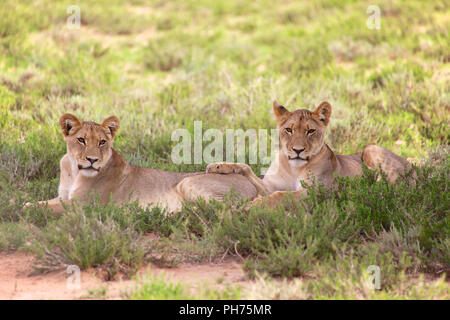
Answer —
(17, 283)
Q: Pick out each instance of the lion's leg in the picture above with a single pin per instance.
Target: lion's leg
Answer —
(54, 205)
(208, 186)
(277, 198)
(239, 168)
(392, 164)
(65, 181)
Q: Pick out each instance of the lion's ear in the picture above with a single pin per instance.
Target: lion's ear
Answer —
(112, 124)
(323, 112)
(280, 112)
(69, 124)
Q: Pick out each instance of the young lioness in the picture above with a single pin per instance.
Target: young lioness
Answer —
(92, 166)
(303, 155)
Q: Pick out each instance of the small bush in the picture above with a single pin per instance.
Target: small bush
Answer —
(287, 245)
(132, 215)
(12, 236)
(88, 239)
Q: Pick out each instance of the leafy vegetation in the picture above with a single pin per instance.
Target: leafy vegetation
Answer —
(158, 288)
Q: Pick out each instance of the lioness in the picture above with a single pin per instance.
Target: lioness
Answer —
(91, 165)
(303, 155)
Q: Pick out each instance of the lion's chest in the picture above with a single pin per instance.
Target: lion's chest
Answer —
(75, 188)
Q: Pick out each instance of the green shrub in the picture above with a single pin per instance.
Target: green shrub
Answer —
(132, 215)
(88, 239)
(12, 236)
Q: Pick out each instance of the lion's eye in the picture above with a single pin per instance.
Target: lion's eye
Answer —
(288, 130)
(311, 131)
(81, 140)
(102, 142)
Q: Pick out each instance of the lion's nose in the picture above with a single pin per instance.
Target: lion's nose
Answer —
(91, 160)
(298, 151)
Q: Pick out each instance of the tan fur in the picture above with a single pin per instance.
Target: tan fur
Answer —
(303, 155)
(92, 166)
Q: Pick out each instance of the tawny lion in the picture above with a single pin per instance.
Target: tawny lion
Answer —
(303, 156)
(92, 166)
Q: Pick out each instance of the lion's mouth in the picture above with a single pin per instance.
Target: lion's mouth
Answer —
(80, 167)
(298, 158)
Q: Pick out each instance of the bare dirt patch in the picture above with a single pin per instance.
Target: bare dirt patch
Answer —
(17, 283)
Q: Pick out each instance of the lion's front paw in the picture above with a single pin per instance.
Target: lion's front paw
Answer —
(273, 201)
(258, 201)
(223, 168)
(27, 205)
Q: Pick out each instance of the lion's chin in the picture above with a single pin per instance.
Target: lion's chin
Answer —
(297, 163)
(89, 172)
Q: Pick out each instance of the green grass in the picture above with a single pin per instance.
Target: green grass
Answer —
(148, 63)
(158, 288)
(350, 285)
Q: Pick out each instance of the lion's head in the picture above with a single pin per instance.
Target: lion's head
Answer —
(89, 144)
(301, 132)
